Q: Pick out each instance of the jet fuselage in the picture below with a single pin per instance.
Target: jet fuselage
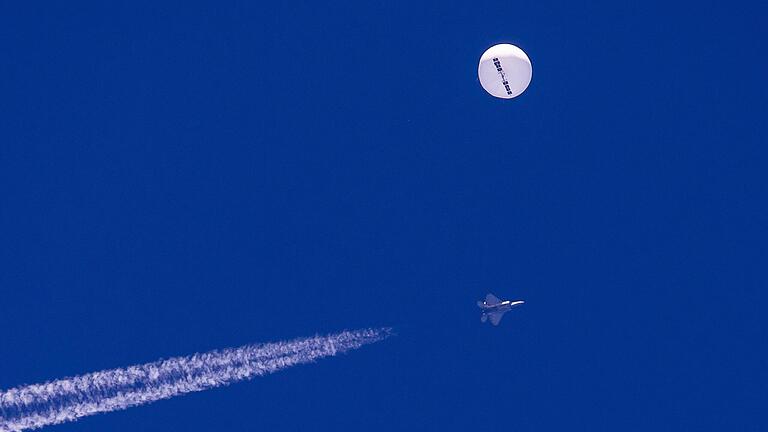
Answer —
(500, 307)
(494, 309)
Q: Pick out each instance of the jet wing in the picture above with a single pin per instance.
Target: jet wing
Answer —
(495, 317)
(491, 300)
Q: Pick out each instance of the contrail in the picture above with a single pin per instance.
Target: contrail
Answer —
(68, 399)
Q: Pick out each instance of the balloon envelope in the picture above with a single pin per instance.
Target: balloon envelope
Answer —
(504, 71)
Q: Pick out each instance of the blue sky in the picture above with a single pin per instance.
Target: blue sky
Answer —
(183, 176)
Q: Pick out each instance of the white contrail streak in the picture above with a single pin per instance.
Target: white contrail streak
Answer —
(68, 399)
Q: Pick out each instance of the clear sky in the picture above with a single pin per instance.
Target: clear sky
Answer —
(182, 176)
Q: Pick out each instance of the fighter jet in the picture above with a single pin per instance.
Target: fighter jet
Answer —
(494, 309)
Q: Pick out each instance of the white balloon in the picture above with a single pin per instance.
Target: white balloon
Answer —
(504, 71)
